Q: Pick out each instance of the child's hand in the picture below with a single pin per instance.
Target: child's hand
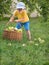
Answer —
(10, 21)
(16, 21)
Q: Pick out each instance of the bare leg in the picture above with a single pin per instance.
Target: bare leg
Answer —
(28, 34)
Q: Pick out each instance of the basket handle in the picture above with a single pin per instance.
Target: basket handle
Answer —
(6, 25)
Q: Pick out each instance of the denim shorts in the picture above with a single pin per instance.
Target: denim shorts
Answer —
(26, 25)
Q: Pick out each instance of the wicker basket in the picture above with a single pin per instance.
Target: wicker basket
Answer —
(12, 35)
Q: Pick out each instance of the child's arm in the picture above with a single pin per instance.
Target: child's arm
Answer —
(19, 20)
(12, 18)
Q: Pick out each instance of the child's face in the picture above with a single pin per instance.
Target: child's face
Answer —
(19, 9)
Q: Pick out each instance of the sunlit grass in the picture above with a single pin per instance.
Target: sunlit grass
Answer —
(13, 52)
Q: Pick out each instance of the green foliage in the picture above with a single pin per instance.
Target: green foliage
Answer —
(5, 6)
(44, 6)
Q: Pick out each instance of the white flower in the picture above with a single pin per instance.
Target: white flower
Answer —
(42, 41)
(39, 39)
(9, 44)
(36, 44)
(23, 44)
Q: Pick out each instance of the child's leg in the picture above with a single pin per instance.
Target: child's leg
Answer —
(28, 34)
(27, 28)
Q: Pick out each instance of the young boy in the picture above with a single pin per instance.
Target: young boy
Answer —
(23, 19)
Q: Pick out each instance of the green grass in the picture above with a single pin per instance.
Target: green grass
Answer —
(31, 54)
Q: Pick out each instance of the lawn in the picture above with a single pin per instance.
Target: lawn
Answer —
(13, 52)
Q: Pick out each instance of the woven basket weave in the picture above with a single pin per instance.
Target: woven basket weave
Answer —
(12, 35)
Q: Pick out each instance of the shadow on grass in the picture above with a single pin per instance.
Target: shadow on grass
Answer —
(47, 63)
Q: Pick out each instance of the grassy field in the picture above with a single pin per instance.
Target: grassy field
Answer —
(36, 53)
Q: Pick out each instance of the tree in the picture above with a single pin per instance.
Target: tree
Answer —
(5, 6)
(44, 5)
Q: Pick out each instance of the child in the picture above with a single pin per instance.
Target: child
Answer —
(23, 19)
